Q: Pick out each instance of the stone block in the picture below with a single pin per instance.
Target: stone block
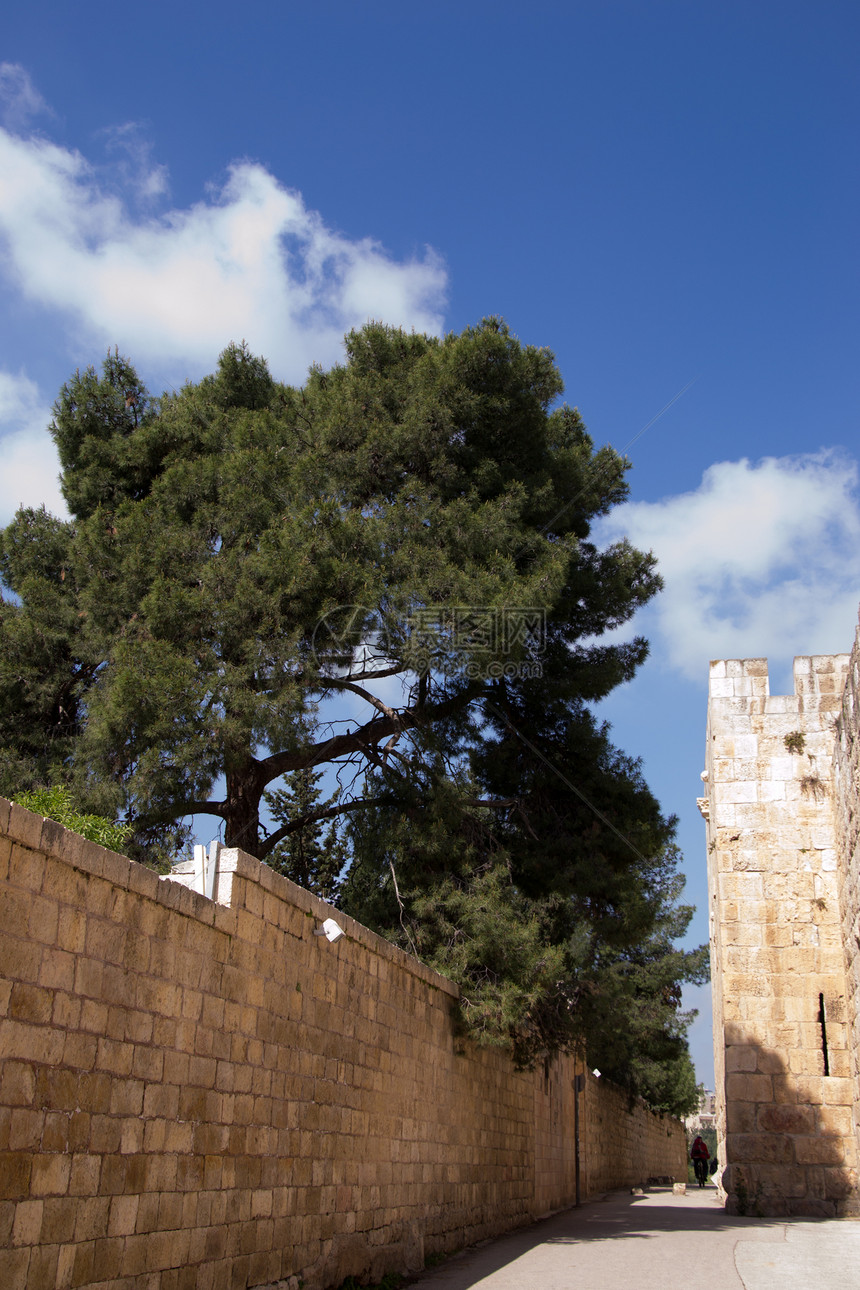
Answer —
(836, 1091)
(779, 935)
(770, 1061)
(134, 1256)
(105, 1134)
(839, 1183)
(819, 1151)
(740, 1058)
(735, 791)
(44, 1262)
(55, 1131)
(768, 1148)
(143, 881)
(57, 970)
(43, 922)
(749, 1088)
(126, 1097)
(742, 1117)
(837, 1121)
(107, 1260)
(746, 978)
(39, 1044)
(14, 1265)
(25, 1129)
(17, 1083)
(786, 1119)
(79, 1050)
(91, 1217)
(115, 1057)
(58, 1221)
(25, 827)
(50, 1175)
(27, 1226)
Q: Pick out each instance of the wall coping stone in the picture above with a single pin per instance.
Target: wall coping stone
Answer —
(37, 833)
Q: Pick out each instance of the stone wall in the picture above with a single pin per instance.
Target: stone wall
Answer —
(782, 1042)
(624, 1145)
(846, 785)
(203, 1093)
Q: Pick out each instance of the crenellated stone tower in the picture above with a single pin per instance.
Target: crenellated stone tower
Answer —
(780, 801)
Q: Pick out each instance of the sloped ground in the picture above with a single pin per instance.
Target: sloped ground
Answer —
(660, 1241)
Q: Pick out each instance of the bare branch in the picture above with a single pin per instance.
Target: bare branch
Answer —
(169, 814)
(316, 817)
(395, 670)
(494, 804)
(406, 931)
(368, 698)
(372, 732)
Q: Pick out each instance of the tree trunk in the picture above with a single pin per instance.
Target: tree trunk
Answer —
(245, 785)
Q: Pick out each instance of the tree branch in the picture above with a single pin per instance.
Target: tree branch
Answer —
(178, 812)
(316, 817)
(367, 696)
(372, 732)
(395, 670)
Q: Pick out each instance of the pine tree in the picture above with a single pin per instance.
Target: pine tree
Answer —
(407, 534)
(309, 856)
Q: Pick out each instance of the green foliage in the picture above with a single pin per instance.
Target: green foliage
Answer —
(102, 429)
(246, 557)
(577, 955)
(795, 741)
(42, 672)
(644, 1047)
(307, 856)
(56, 804)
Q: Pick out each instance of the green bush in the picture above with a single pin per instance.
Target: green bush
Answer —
(56, 804)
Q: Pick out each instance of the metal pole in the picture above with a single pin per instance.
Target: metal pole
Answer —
(578, 1085)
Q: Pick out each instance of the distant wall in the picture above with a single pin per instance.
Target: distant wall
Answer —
(784, 1078)
(203, 1093)
(626, 1145)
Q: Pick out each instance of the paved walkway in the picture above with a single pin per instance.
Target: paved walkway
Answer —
(659, 1241)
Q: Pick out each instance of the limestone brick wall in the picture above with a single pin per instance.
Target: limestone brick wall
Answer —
(785, 1126)
(203, 1093)
(846, 779)
(625, 1144)
(555, 1158)
(622, 1143)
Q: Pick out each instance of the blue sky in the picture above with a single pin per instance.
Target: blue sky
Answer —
(664, 194)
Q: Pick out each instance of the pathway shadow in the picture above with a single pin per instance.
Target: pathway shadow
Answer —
(615, 1219)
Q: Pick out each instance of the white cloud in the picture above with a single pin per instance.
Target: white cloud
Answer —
(19, 98)
(138, 175)
(28, 459)
(763, 559)
(95, 246)
(248, 262)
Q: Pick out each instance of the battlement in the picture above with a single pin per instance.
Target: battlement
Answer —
(819, 680)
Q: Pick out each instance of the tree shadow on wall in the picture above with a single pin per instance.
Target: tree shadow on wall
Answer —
(789, 1148)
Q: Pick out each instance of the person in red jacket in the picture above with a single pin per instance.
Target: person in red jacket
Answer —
(700, 1155)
